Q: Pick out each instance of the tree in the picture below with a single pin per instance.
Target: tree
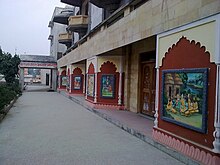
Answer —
(9, 66)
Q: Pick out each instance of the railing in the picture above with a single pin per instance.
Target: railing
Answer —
(78, 20)
(65, 36)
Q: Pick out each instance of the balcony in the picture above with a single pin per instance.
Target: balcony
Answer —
(78, 24)
(50, 37)
(65, 38)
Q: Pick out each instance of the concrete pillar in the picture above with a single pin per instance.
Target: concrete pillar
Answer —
(120, 81)
(21, 78)
(54, 79)
(96, 88)
(156, 99)
(51, 80)
(216, 133)
(96, 79)
(86, 89)
(70, 79)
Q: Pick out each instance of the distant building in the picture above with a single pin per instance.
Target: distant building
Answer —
(56, 48)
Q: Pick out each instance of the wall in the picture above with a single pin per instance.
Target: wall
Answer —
(114, 59)
(192, 33)
(192, 46)
(96, 15)
(153, 17)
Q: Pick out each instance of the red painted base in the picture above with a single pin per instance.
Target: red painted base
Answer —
(61, 89)
(105, 106)
(197, 153)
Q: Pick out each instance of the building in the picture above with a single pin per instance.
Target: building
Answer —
(56, 49)
(156, 57)
(57, 46)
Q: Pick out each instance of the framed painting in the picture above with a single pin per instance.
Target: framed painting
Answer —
(77, 82)
(184, 97)
(63, 80)
(107, 86)
(90, 85)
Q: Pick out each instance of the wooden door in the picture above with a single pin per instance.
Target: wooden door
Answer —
(148, 86)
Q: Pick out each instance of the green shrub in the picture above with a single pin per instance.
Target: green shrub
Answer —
(7, 93)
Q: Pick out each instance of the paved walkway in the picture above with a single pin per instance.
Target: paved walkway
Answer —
(45, 128)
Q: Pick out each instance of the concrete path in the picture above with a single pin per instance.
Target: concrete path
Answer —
(45, 128)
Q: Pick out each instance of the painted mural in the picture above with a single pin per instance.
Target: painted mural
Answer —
(91, 85)
(63, 80)
(77, 82)
(184, 97)
(107, 86)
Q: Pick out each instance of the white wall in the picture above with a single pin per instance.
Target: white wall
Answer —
(43, 73)
(96, 16)
(55, 30)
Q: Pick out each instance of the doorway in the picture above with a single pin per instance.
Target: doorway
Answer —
(47, 79)
(148, 87)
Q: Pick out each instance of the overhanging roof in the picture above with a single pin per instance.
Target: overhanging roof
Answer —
(104, 3)
(62, 17)
(73, 2)
(35, 61)
(37, 58)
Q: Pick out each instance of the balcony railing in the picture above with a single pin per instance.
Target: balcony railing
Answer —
(78, 24)
(65, 38)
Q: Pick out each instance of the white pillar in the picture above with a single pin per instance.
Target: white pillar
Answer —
(96, 87)
(156, 99)
(96, 79)
(54, 79)
(70, 79)
(216, 133)
(59, 81)
(120, 81)
(86, 84)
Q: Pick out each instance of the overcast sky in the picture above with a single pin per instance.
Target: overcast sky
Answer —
(24, 25)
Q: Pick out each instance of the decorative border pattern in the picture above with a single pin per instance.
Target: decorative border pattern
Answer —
(197, 154)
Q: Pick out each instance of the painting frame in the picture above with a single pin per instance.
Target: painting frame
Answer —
(77, 82)
(90, 85)
(184, 98)
(108, 86)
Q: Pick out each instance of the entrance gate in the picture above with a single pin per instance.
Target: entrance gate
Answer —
(39, 62)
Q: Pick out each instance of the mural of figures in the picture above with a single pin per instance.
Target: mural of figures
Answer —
(184, 97)
(90, 85)
(107, 86)
(63, 80)
(77, 82)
